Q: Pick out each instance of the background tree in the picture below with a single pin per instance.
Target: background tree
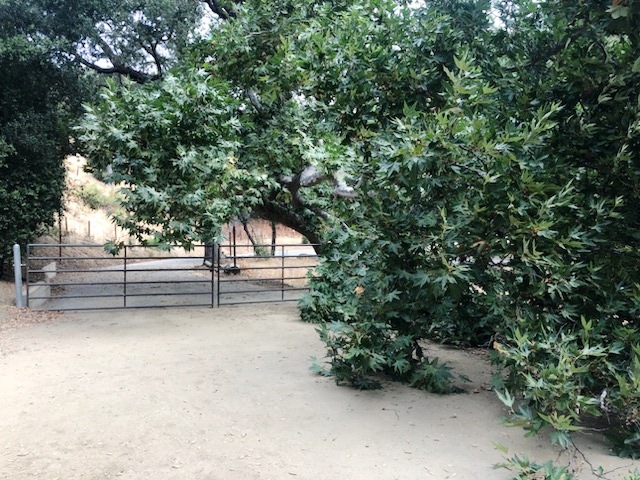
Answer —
(34, 138)
(137, 40)
(47, 50)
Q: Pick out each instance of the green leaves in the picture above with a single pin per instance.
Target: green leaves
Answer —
(174, 147)
(38, 98)
(498, 204)
(494, 171)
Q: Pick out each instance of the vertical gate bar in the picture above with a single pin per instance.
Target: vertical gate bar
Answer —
(27, 270)
(60, 236)
(213, 274)
(282, 274)
(235, 252)
(17, 275)
(218, 274)
(124, 279)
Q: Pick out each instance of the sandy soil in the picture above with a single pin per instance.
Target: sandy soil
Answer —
(226, 393)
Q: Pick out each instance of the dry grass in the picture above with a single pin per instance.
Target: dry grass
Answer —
(77, 255)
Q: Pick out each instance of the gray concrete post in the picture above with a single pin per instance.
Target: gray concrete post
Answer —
(17, 269)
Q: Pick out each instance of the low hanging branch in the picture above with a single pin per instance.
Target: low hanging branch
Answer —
(308, 177)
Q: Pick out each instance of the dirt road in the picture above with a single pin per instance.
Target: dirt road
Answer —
(204, 394)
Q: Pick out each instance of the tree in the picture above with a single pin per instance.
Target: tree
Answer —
(489, 153)
(33, 139)
(505, 215)
(137, 40)
(46, 50)
(274, 160)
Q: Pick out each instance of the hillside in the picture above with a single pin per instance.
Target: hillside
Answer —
(89, 204)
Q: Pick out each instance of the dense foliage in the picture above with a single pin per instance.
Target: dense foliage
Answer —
(471, 166)
(33, 140)
(506, 215)
(46, 50)
(240, 107)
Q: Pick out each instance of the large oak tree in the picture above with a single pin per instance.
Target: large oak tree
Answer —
(471, 166)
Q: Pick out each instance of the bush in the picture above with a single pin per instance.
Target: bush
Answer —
(472, 230)
(94, 198)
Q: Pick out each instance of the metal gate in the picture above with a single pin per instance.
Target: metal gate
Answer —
(85, 277)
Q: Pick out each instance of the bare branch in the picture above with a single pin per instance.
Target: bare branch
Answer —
(135, 75)
(222, 12)
(152, 50)
(113, 57)
(253, 98)
(119, 67)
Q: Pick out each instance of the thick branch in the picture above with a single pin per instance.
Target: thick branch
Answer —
(119, 67)
(311, 176)
(304, 224)
(222, 12)
(135, 75)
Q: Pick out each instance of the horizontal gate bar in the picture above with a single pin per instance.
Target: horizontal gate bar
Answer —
(133, 263)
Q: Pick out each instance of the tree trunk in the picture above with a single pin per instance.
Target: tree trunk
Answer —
(305, 223)
(245, 226)
(273, 238)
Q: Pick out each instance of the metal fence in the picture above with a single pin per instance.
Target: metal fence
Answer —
(272, 273)
(85, 277)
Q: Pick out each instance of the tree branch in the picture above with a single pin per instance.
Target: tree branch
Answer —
(271, 210)
(135, 75)
(222, 12)
(113, 57)
(119, 67)
(253, 98)
(152, 50)
(311, 176)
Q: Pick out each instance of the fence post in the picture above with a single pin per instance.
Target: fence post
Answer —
(282, 275)
(124, 279)
(17, 270)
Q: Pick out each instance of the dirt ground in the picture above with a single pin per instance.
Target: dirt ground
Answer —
(226, 393)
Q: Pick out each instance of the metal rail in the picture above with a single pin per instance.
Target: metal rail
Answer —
(85, 277)
(240, 281)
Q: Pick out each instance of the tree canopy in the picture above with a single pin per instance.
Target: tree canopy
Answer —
(471, 167)
(34, 137)
(47, 51)
(139, 40)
